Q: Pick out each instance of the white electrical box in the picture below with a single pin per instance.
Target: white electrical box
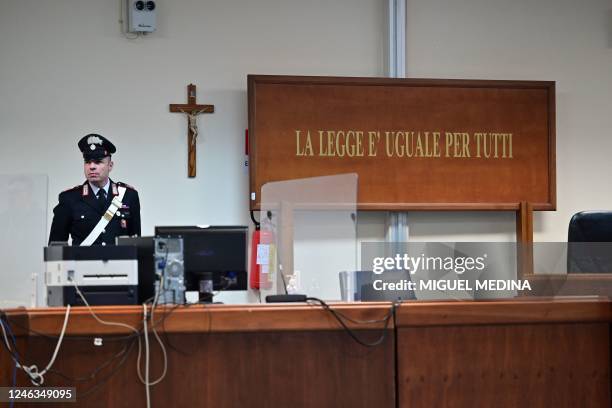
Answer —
(142, 16)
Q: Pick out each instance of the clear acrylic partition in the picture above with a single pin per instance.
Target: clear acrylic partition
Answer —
(23, 234)
(573, 258)
(572, 268)
(437, 271)
(482, 270)
(308, 235)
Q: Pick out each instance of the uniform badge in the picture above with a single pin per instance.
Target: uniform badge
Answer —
(123, 223)
(85, 192)
(92, 147)
(94, 140)
(115, 191)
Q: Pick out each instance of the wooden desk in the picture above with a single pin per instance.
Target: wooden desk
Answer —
(226, 356)
(533, 353)
(518, 353)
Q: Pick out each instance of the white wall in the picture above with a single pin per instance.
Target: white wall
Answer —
(566, 41)
(66, 70)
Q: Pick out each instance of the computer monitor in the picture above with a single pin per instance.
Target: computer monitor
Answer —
(219, 252)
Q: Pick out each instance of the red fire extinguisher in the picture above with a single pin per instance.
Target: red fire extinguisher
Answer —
(263, 249)
(263, 259)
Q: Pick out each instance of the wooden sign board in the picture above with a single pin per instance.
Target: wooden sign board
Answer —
(416, 144)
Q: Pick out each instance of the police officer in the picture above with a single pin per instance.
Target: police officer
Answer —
(97, 211)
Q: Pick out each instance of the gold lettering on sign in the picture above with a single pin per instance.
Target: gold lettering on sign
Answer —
(307, 151)
(436, 139)
(412, 144)
(419, 147)
(341, 147)
(373, 139)
(330, 143)
(360, 148)
(340, 143)
(457, 144)
(322, 151)
(388, 145)
(465, 142)
(510, 144)
(406, 144)
(493, 145)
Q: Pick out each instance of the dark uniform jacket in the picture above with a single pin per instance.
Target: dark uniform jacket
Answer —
(79, 211)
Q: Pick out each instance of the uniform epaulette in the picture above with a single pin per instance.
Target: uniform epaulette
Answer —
(72, 188)
(122, 184)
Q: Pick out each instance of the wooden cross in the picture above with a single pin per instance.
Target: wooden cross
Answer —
(192, 110)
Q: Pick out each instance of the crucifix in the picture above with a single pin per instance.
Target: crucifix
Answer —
(192, 110)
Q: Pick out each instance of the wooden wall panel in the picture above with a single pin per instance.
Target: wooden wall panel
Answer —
(549, 365)
(228, 370)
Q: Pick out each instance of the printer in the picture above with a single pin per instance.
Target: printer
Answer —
(105, 275)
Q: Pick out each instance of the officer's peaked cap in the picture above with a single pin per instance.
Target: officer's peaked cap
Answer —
(94, 147)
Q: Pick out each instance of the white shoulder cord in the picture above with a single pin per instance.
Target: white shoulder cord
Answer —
(108, 215)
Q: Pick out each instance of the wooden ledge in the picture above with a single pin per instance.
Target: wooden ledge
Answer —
(519, 310)
(202, 318)
(305, 317)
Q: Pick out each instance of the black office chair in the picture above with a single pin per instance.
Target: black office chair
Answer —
(590, 242)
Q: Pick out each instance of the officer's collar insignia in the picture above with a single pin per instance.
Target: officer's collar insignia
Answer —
(115, 191)
(85, 192)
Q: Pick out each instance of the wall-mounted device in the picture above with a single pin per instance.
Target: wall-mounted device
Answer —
(142, 16)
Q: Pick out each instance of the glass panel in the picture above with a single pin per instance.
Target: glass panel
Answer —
(572, 268)
(482, 270)
(309, 227)
(23, 234)
(438, 270)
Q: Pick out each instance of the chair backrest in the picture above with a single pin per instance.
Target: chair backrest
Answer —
(590, 227)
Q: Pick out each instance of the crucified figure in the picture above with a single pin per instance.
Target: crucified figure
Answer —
(192, 110)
